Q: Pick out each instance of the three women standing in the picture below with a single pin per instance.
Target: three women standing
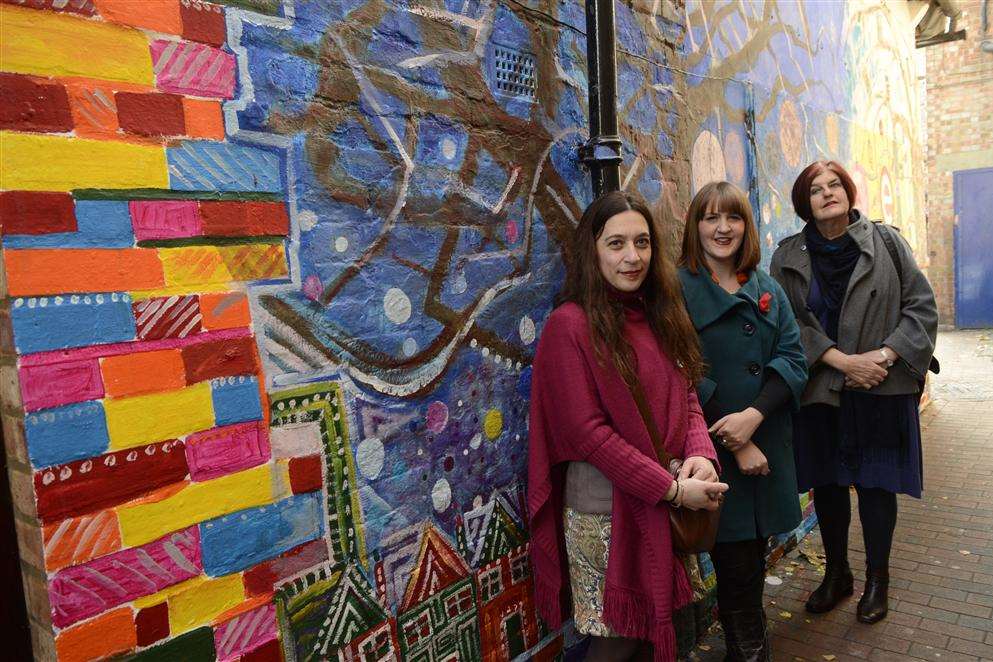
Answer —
(868, 323)
(755, 374)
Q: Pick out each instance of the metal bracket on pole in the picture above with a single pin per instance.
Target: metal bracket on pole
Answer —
(602, 152)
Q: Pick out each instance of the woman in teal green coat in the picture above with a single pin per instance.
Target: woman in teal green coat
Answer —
(756, 375)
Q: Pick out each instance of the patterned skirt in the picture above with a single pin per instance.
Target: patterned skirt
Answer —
(587, 543)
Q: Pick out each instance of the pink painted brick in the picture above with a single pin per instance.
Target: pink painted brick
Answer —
(165, 219)
(245, 632)
(86, 590)
(60, 383)
(226, 449)
(186, 67)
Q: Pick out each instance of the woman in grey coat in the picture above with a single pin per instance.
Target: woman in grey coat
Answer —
(868, 323)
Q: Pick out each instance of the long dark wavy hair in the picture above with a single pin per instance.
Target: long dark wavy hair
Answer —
(662, 293)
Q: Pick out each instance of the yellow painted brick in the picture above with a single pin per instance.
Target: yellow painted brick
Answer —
(32, 162)
(168, 592)
(193, 266)
(200, 604)
(144, 419)
(47, 43)
(195, 503)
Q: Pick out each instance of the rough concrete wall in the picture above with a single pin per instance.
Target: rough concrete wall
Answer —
(274, 274)
(960, 137)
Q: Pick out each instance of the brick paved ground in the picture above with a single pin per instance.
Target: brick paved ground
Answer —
(941, 595)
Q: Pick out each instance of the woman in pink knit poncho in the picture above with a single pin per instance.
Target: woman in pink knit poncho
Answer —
(598, 498)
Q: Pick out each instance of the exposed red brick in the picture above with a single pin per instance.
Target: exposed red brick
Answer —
(306, 474)
(244, 219)
(203, 22)
(220, 358)
(33, 212)
(152, 624)
(151, 114)
(29, 105)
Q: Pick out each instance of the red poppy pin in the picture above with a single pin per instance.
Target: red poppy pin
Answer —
(765, 302)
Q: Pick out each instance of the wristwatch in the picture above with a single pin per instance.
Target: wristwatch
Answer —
(886, 357)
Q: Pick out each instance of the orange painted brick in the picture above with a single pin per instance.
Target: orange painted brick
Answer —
(158, 15)
(204, 118)
(79, 539)
(144, 372)
(109, 633)
(225, 310)
(61, 271)
(94, 109)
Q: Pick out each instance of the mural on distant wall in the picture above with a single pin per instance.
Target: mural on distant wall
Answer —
(276, 270)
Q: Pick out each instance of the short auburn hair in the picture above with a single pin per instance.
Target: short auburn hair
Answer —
(801, 187)
(721, 197)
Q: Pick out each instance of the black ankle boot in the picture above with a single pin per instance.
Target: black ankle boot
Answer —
(874, 603)
(837, 585)
(746, 636)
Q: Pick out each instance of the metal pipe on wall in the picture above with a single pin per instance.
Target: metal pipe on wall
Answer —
(602, 152)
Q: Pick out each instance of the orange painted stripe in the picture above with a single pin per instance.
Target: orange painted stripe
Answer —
(93, 109)
(80, 539)
(61, 271)
(109, 633)
(145, 372)
(225, 310)
(158, 15)
(204, 118)
(247, 605)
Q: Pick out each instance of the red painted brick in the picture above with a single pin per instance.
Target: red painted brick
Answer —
(33, 212)
(306, 474)
(84, 7)
(151, 114)
(260, 579)
(203, 21)
(220, 358)
(267, 652)
(244, 219)
(33, 106)
(107, 480)
(152, 624)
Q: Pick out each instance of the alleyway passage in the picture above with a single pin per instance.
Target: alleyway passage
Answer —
(941, 587)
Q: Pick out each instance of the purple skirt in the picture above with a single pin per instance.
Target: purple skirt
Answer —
(870, 441)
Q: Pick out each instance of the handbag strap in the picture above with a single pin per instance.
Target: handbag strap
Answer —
(665, 457)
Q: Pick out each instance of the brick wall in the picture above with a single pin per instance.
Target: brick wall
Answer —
(960, 137)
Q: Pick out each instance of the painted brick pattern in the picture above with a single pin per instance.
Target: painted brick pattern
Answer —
(143, 413)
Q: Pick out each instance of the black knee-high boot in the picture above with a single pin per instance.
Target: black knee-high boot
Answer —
(877, 510)
(740, 570)
(833, 507)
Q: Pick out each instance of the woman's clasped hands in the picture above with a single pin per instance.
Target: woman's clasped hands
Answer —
(698, 485)
(734, 432)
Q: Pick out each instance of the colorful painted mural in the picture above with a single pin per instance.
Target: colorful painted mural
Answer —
(274, 271)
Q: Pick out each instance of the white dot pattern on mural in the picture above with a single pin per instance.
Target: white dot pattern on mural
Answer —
(441, 495)
(396, 305)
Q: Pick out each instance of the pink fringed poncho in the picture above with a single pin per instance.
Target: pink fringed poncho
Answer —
(581, 410)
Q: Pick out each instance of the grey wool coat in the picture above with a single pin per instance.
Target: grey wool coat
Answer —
(876, 311)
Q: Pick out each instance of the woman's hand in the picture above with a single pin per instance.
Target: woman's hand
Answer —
(700, 467)
(864, 370)
(735, 430)
(751, 460)
(698, 494)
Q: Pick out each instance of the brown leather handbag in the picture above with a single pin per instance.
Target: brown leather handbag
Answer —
(693, 531)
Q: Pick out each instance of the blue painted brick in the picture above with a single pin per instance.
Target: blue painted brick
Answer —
(236, 399)
(63, 434)
(240, 540)
(46, 323)
(212, 166)
(99, 224)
